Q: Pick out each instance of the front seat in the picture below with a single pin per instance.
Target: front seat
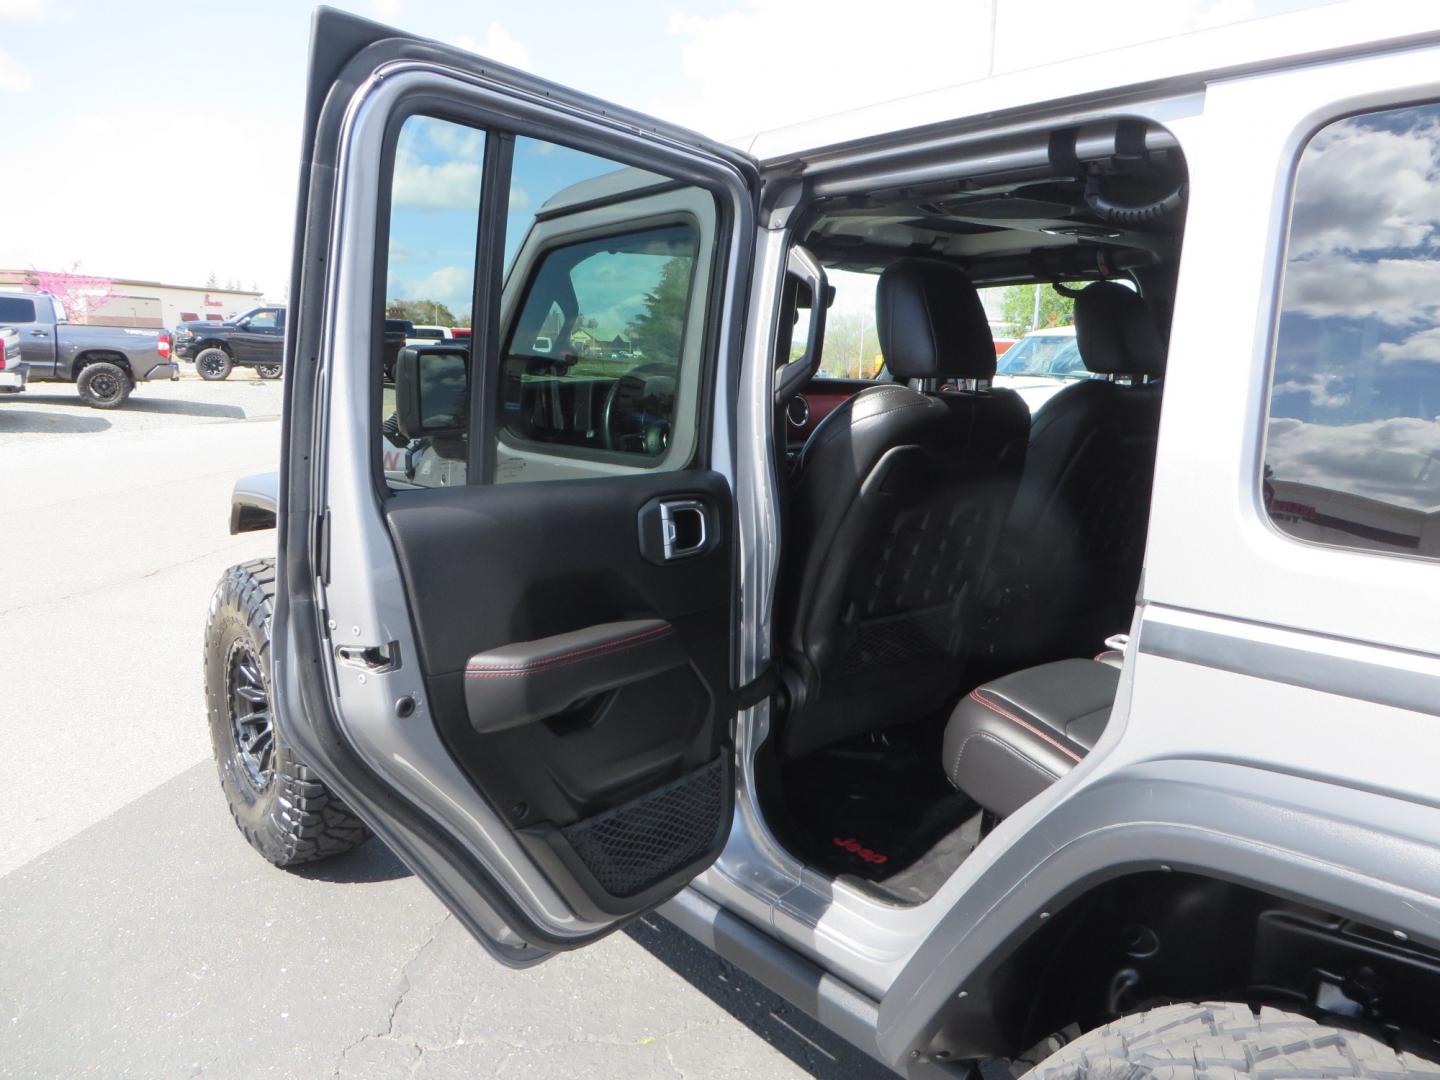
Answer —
(1075, 542)
(897, 500)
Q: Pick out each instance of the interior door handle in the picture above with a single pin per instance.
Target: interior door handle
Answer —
(683, 531)
(676, 527)
(530, 680)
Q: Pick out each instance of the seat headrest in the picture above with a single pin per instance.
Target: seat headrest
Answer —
(1116, 333)
(931, 322)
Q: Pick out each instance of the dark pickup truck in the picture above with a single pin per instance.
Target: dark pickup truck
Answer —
(255, 339)
(105, 362)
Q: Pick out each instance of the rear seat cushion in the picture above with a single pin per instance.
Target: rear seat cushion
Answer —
(1010, 739)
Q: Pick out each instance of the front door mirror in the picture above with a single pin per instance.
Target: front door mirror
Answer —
(432, 391)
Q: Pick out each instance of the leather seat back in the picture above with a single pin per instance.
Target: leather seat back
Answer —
(896, 503)
(1075, 541)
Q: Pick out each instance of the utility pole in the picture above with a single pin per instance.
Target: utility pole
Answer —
(860, 347)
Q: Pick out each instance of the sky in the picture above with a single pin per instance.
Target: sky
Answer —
(1356, 394)
(161, 140)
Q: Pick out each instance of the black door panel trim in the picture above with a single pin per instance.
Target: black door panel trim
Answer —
(530, 680)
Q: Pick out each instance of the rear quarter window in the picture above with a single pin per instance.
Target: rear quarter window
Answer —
(14, 309)
(1352, 448)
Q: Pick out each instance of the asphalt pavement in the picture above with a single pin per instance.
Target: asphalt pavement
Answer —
(140, 936)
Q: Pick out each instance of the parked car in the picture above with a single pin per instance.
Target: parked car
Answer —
(104, 362)
(398, 333)
(255, 339)
(421, 334)
(12, 371)
(935, 761)
(1040, 365)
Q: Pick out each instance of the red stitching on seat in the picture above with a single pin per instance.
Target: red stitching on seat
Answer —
(975, 696)
(567, 658)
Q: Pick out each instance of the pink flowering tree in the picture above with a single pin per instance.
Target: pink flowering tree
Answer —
(80, 293)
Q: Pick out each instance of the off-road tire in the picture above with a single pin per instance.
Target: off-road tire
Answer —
(104, 385)
(293, 818)
(268, 371)
(1216, 1041)
(214, 364)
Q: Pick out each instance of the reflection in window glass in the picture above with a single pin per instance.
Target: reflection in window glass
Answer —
(542, 171)
(429, 279)
(594, 360)
(611, 265)
(1352, 453)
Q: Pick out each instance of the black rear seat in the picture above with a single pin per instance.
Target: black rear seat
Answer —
(1011, 738)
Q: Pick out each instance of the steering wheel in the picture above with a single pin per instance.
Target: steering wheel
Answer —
(638, 407)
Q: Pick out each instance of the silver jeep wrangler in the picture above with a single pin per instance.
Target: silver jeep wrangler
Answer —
(1075, 721)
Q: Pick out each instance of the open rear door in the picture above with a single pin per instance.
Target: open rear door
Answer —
(507, 560)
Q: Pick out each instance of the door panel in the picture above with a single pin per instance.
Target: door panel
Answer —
(599, 753)
(542, 821)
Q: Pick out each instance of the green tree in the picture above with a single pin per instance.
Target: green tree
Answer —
(656, 332)
(852, 345)
(1017, 307)
(424, 312)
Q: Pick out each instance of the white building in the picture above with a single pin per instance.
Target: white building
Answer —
(151, 303)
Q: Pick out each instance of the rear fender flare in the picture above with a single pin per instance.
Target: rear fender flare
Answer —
(255, 503)
(1358, 853)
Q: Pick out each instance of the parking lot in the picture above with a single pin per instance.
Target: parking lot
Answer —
(140, 936)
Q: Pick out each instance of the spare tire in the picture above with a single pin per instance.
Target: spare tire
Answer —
(1191, 1042)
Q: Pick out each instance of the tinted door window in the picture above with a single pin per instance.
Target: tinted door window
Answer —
(1352, 453)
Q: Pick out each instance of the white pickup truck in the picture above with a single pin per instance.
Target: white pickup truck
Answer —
(12, 374)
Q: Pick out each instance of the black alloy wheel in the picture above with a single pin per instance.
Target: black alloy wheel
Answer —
(251, 724)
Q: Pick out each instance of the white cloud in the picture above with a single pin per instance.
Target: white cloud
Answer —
(457, 141)
(1029, 33)
(127, 226)
(766, 63)
(22, 9)
(14, 79)
(1394, 291)
(388, 10)
(497, 44)
(450, 185)
(1367, 190)
(452, 286)
(1392, 460)
(1424, 345)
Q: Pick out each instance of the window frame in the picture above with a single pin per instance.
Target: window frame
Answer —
(1270, 368)
(500, 133)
